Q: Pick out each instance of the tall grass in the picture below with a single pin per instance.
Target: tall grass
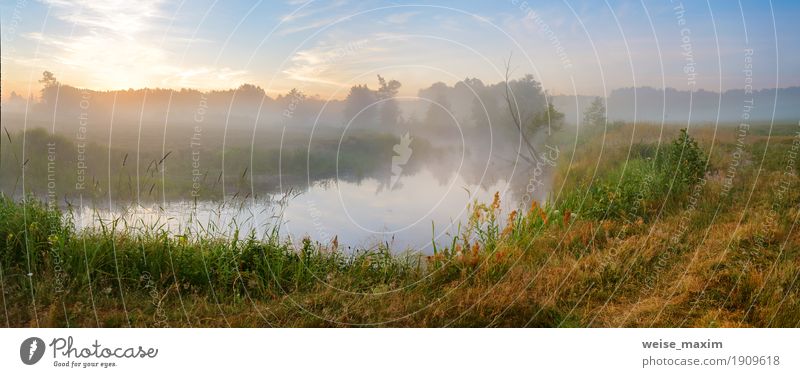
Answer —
(633, 247)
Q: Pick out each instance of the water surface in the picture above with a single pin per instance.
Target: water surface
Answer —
(410, 214)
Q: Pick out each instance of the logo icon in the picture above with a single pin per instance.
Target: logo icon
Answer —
(402, 152)
(31, 350)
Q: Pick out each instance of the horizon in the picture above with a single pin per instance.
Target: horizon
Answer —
(36, 95)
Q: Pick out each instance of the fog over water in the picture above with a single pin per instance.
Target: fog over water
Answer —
(372, 168)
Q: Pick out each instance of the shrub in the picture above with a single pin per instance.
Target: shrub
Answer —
(640, 187)
(685, 160)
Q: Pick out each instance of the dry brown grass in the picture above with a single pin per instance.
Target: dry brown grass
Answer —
(715, 265)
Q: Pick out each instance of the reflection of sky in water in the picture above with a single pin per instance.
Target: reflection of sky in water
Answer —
(361, 214)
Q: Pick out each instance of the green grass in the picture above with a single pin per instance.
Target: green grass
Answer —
(650, 243)
(170, 174)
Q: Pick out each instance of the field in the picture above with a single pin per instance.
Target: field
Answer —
(697, 230)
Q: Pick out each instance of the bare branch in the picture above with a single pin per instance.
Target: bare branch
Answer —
(515, 114)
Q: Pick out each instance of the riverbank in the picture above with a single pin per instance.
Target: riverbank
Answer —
(688, 233)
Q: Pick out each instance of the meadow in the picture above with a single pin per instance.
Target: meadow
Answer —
(193, 171)
(646, 226)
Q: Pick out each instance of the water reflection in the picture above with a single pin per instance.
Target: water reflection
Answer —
(419, 209)
(363, 203)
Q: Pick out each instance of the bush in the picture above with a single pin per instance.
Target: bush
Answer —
(685, 160)
(640, 187)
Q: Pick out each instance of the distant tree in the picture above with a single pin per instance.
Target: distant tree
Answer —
(485, 107)
(15, 98)
(529, 97)
(250, 90)
(387, 89)
(359, 98)
(475, 83)
(550, 117)
(296, 94)
(49, 87)
(390, 111)
(595, 115)
(521, 97)
(292, 102)
(48, 79)
(439, 111)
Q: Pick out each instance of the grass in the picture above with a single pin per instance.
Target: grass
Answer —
(187, 173)
(642, 234)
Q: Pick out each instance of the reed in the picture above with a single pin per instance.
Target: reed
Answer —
(677, 251)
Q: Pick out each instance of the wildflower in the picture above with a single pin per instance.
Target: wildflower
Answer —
(567, 215)
(510, 223)
(477, 213)
(496, 201)
(534, 207)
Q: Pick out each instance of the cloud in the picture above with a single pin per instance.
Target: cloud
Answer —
(119, 17)
(202, 76)
(309, 11)
(305, 17)
(121, 44)
(400, 18)
(308, 26)
(319, 64)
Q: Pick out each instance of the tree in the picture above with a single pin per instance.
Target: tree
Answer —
(685, 159)
(439, 111)
(485, 106)
(528, 95)
(50, 87)
(516, 114)
(387, 89)
(357, 109)
(390, 111)
(296, 95)
(595, 115)
(48, 79)
(292, 102)
(551, 118)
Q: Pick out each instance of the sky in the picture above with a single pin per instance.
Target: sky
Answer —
(325, 47)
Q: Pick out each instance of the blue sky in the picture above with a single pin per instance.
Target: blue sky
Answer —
(324, 47)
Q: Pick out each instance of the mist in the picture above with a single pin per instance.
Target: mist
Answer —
(163, 144)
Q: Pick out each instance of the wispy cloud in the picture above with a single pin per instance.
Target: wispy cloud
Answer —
(314, 24)
(120, 43)
(310, 17)
(400, 18)
(298, 2)
(323, 63)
